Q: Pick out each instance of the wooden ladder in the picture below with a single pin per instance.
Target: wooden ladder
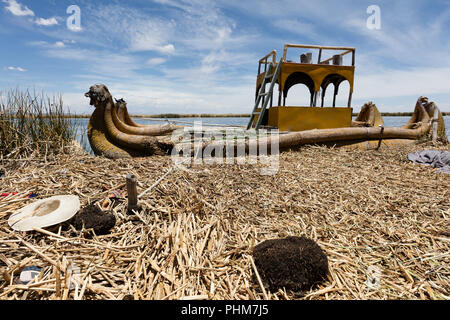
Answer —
(270, 76)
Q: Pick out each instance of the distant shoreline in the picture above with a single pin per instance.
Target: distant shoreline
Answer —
(176, 115)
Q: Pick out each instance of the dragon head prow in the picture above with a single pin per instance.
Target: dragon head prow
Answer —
(99, 95)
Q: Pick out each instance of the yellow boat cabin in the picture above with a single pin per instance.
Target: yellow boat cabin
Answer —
(316, 75)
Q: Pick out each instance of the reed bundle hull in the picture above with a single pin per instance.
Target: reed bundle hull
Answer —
(113, 134)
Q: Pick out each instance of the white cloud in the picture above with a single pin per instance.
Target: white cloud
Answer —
(194, 27)
(76, 29)
(147, 96)
(38, 43)
(296, 26)
(213, 61)
(17, 69)
(204, 39)
(18, 9)
(156, 61)
(47, 45)
(97, 64)
(149, 37)
(209, 68)
(129, 29)
(166, 49)
(46, 22)
(417, 81)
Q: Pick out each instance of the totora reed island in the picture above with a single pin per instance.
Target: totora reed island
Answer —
(201, 151)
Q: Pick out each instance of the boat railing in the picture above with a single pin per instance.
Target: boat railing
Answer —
(321, 49)
(265, 61)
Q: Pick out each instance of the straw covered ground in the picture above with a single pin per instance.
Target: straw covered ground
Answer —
(370, 211)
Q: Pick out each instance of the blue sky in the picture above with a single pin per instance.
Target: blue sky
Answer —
(198, 56)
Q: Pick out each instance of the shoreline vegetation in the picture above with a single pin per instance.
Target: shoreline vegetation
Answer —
(33, 124)
(229, 115)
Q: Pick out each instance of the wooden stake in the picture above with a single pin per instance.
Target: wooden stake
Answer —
(435, 124)
(381, 137)
(132, 193)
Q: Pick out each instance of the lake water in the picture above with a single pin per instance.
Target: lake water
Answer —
(82, 124)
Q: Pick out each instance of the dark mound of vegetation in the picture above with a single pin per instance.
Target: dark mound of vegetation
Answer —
(92, 217)
(295, 263)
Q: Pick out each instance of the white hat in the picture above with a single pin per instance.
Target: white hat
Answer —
(45, 213)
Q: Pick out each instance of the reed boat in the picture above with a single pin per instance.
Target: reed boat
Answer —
(114, 134)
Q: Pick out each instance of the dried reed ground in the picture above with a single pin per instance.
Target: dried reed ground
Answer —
(366, 209)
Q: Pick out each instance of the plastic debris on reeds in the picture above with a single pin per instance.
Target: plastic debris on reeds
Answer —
(382, 221)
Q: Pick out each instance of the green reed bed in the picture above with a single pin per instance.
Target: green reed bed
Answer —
(33, 123)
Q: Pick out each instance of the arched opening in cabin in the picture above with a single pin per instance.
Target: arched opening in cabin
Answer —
(303, 94)
(344, 96)
(335, 91)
